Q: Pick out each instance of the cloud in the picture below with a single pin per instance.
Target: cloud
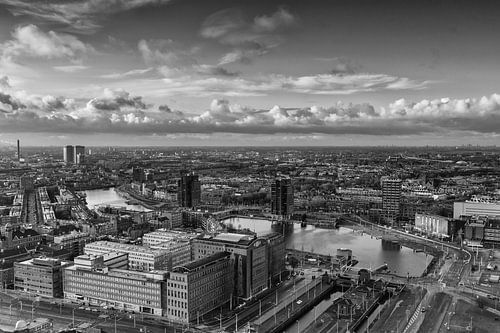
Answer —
(249, 39)
(4, 82)
(281, 19)
(171, 60)
(133, 72)
(119, 112)
(70, 68)
(81, 16)
(30, 41)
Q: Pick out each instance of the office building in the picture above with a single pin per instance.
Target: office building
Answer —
(252, 257)
(140, 258)
(198, 287)
(391, 198)
(282, 197)
(79, 155)
(188, 191)
(68, 154)
(141, 292)
(40, 276)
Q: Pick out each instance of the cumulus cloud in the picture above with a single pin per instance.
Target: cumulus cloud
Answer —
(82, 16)
(30, 41)
(118, 111)
(249, 39)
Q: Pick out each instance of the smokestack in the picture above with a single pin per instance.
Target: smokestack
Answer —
(18, 151)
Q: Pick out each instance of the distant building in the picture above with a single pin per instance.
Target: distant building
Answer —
(40, 276)
(189, 191)
(391, 198)
(198, 287)
(282, 197)
(68, 154)
(79, 155)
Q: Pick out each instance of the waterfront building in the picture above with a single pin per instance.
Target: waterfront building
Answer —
(391, 198)
(282, 197)
(141, 292)
(140, 258)
(198, 287)
(252, 256)
(189, 191)
(68, 154)
(40, 276)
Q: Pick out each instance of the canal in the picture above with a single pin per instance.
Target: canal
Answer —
(366, 249)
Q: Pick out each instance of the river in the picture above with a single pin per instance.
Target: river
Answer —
(366, 249)
(110, 197)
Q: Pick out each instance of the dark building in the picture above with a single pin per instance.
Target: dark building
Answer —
(79, 155)
(138, 175)
(189, 191)
(391, 199)
(282, 197)
(68, 154)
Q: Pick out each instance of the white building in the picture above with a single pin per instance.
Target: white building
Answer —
(140, 292)
(476, 208)
(140, 258)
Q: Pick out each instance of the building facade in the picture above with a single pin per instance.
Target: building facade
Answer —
(475, 208)
(391, 198)
(40, 276)
(141, 292)
(251, 258)
(140, 258)
(189, 191)
(282, 197)
(199, 287)
(68, 154)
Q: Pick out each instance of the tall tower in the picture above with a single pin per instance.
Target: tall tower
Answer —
(68, 154)
(189, 190)
(18, 151)
(79, 154)
(391, 198)
(282, 197)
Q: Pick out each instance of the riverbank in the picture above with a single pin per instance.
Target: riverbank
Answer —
(135, 199)
(437, 255)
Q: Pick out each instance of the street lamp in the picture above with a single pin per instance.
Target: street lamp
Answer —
(298, 326)
(73, 315)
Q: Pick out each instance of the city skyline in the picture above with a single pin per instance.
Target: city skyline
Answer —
(241, 73)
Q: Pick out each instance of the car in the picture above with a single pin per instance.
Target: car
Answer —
(424, 310)
(95, 310)
(81, 308)
(87, 309)
(301, 273)
(461, 284)
(299, 302)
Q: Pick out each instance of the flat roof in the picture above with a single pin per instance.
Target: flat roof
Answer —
(200, 262)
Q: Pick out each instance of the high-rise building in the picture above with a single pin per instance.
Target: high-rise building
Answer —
(391, 198)
(188, 190)
(282, 197)
(79, 155)
(68, 154)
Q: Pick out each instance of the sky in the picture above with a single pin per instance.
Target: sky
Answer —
(247, 72)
